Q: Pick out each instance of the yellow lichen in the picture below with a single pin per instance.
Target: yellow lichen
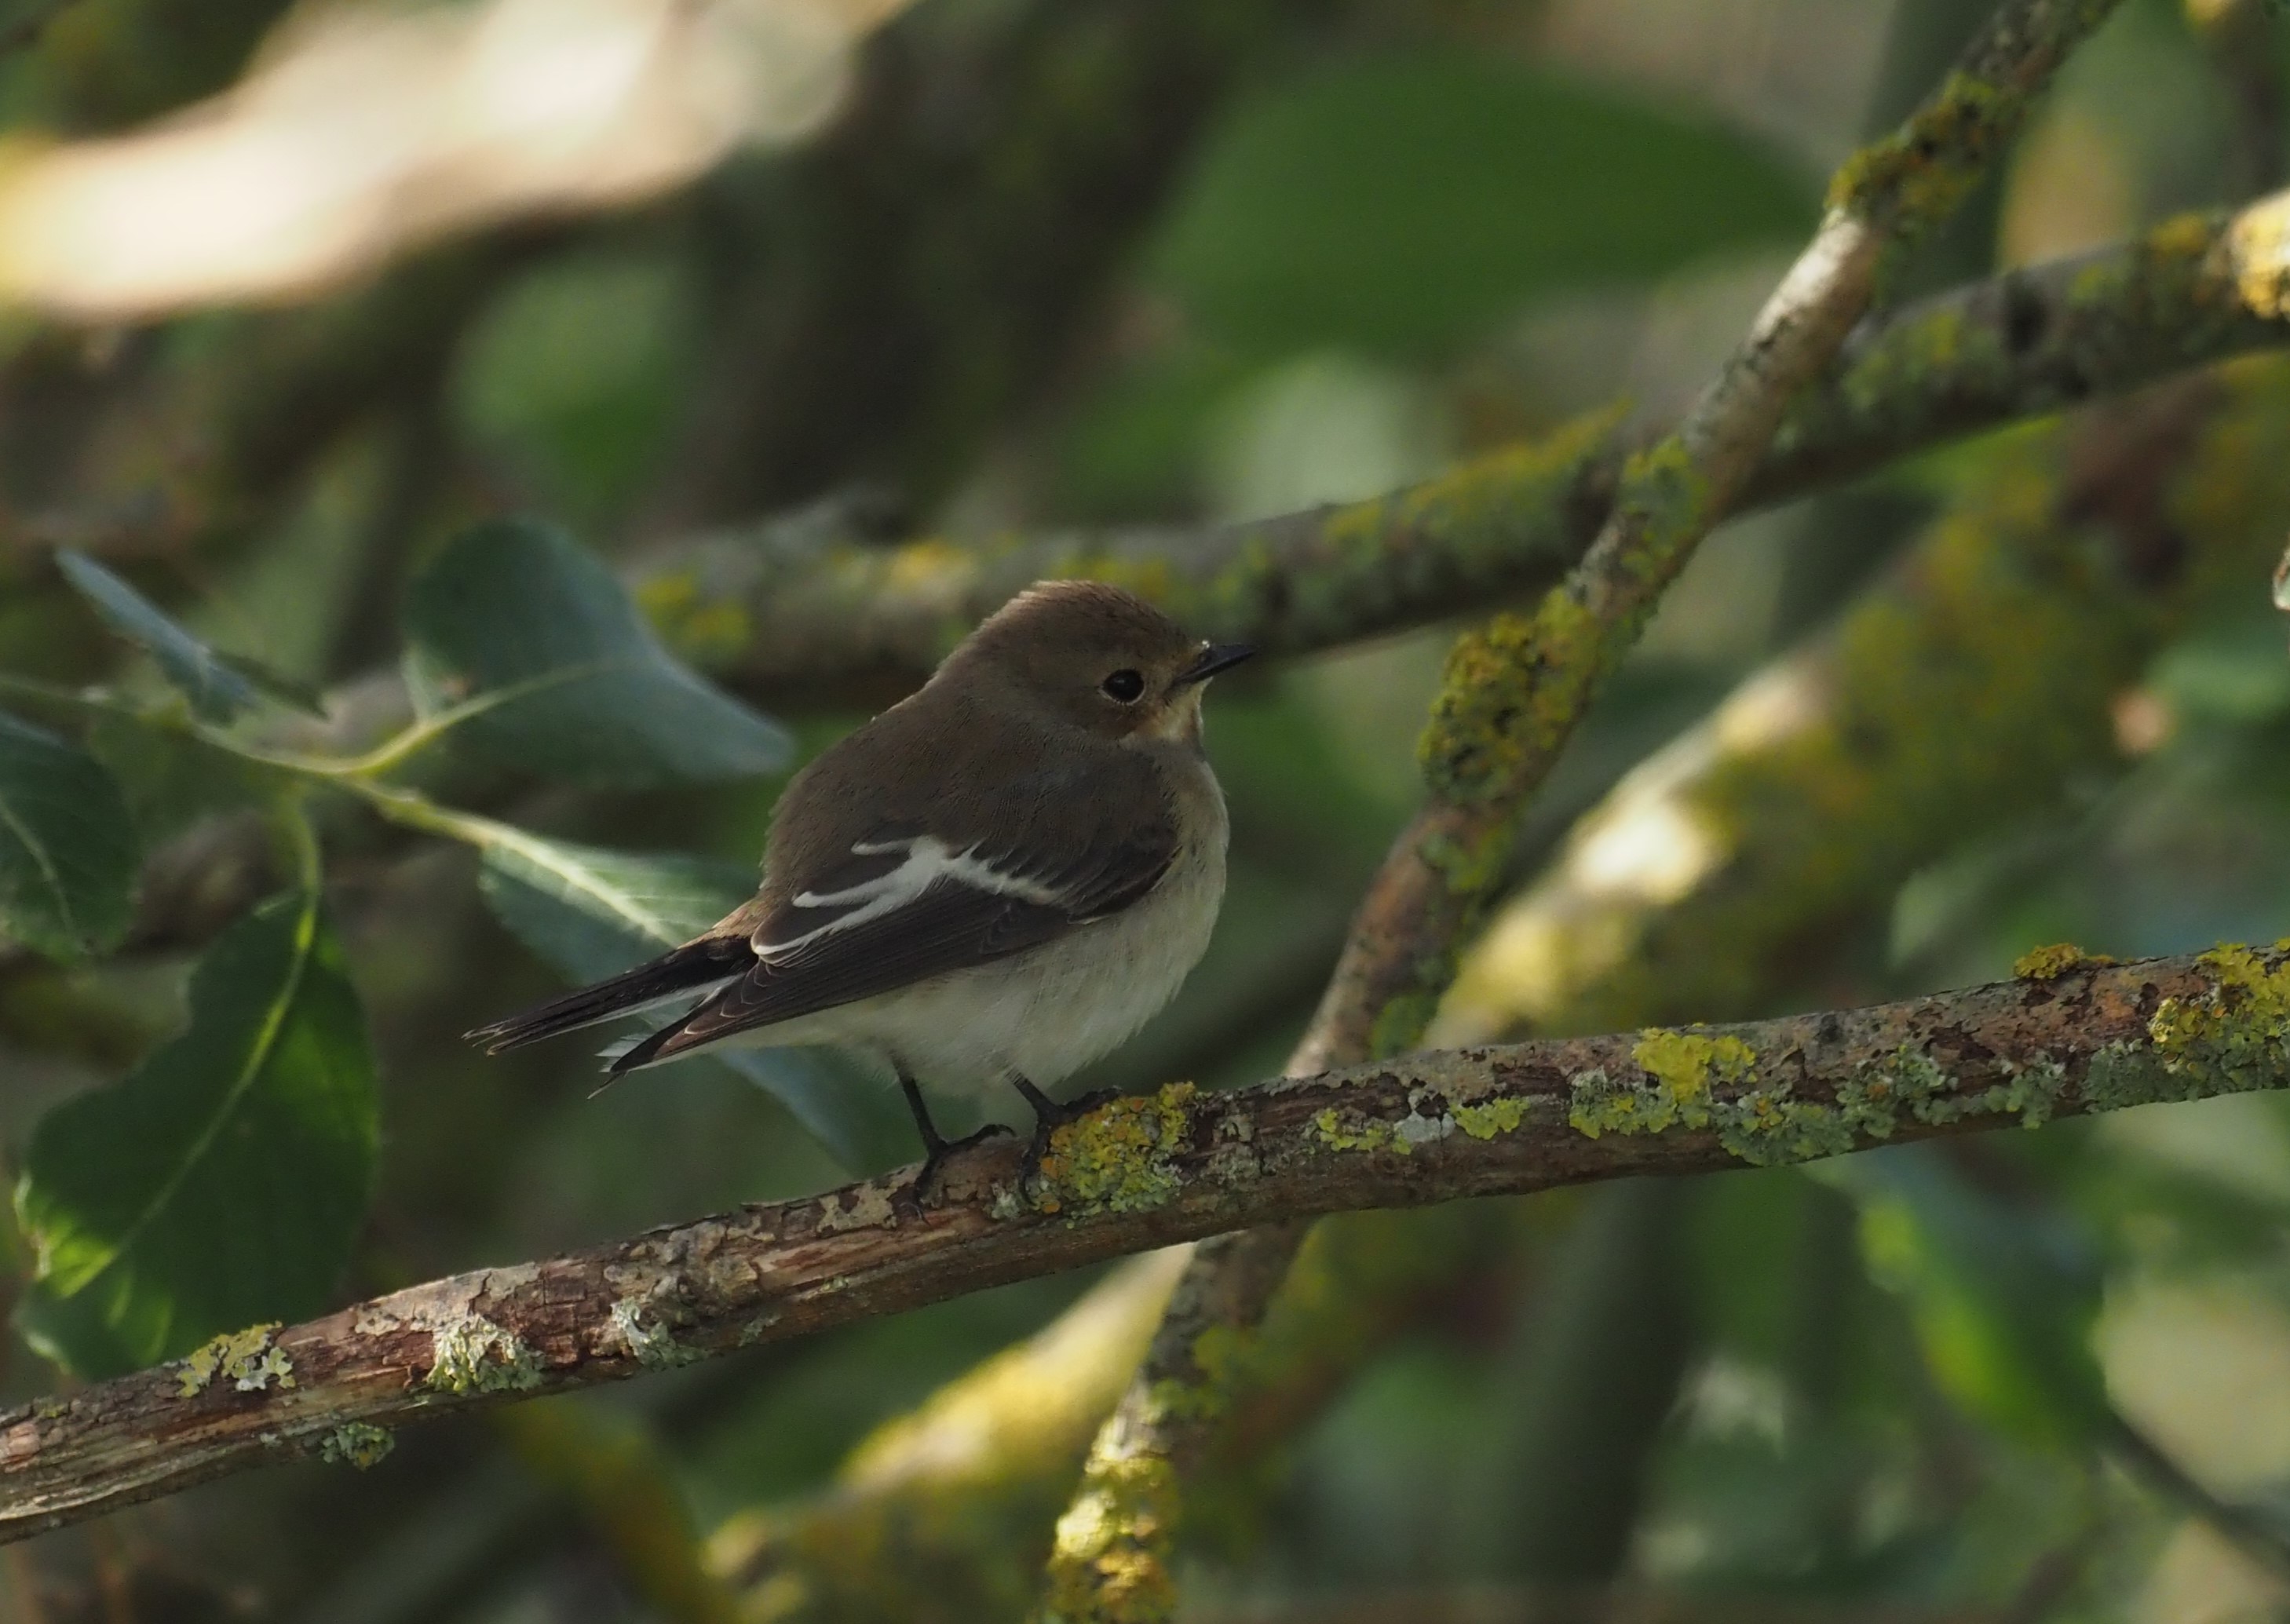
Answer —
(1340, 1129)
(248, 1359)
(1502, 1115)
(2259, 247)
(2048, 964)
(1110, 1562)
(1685, 1063)
(1695, 1081)
(1220, 1358)
(1920, 173)
(928, 562)
(2234, 1036)
(2185, 237)
(704, 627)
(1120, 1157)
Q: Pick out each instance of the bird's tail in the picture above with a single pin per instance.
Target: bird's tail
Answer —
(695, 967)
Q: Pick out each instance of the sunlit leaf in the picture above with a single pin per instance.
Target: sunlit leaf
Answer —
(1405, 203)
(545, 664)
(67, 851)
(216, 690)
(590, 913)
(222, 1181)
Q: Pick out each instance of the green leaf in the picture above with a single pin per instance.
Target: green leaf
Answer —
(68, 850)
(221, 1182)
(216, 690)
(1405, 203)
(590, 913)
(531, 650)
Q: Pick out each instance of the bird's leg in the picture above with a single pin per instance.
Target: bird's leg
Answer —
(936, 1145)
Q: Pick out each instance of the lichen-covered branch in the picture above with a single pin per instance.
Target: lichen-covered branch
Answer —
(1513, 693)
(2073, 1035)
(798, 608)
(1962, 693)
(2192, 290)
(794, 607)
(1516, 689)
(1807, 797)
(1108, 1560)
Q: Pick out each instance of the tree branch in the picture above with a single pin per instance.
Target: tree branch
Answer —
(1824, 781)
(1141, 1172)
(1955, 697)
(1517, 689)
(1514, 692)
(2192, 290)
(796, 609)
(793, 607)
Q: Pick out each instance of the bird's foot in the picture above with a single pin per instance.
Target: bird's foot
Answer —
(925, 1185)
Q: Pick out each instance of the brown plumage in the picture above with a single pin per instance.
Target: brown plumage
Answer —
(998, 879)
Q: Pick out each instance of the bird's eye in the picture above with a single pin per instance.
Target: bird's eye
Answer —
(1124, 686)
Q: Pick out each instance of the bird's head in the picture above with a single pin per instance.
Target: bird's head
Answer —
(1097, 656)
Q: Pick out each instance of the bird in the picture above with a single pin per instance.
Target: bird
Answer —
(994, 882)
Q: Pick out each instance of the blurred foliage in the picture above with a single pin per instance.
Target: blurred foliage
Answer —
(1375, 204)
(1054, 264)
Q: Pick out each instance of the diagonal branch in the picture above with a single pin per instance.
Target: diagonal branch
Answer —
(1958, 694)
(2076, 1036)
(1514, 692)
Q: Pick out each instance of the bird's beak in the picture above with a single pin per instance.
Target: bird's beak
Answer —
(1213, 658)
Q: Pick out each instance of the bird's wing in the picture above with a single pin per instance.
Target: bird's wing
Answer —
(908, 905)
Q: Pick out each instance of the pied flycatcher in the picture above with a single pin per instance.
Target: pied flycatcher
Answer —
(997, 880)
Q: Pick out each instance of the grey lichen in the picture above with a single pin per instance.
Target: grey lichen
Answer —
(360, 1444)
(654, 1346)
(2122, 1075)
(1695, 1080)
(470, 1354)
(248, 1359)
